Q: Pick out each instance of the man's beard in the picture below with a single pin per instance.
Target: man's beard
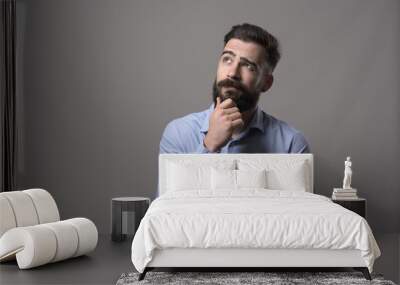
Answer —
(243, 98)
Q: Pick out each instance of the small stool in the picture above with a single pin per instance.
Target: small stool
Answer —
(126, 214)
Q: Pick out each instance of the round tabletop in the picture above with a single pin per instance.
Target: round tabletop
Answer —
(130, 199)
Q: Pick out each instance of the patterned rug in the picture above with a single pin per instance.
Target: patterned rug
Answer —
(270, 278)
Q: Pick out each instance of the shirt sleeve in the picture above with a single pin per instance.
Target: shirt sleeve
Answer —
(173, 140)
(170, 141)
(299, 144)
(202, 149)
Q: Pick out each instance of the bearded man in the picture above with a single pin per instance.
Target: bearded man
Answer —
(235, 123)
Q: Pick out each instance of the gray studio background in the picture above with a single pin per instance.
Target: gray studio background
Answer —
(98, 81)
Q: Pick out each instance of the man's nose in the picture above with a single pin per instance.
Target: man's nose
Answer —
(234, 71)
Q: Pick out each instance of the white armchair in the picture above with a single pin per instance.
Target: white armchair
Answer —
(31, 230)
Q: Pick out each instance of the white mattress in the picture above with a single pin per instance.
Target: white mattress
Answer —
(251, 218)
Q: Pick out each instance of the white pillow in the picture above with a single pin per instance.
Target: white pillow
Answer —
(237, 179)
(281, 174)
(223, 179)
(190, 174)
(289, 179)
(251, 178)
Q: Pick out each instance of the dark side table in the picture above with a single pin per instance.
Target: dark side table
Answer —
(126, 214)
(358, 205)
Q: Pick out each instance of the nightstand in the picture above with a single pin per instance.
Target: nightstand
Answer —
(126, 214)
(358, 206)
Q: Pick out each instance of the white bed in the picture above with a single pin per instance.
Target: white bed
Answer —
(227, 217)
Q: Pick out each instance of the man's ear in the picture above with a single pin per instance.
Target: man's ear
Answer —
(268, 80)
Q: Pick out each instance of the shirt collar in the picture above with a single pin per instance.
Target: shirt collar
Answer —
(256, 122)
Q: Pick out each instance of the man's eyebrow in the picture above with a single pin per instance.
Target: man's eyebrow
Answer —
(228, 51)
(242, 58)
(249, 62)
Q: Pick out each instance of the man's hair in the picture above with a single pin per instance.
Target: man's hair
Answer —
(252, 33)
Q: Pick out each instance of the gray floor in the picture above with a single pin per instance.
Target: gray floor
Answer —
(110, 260)
(103, 266)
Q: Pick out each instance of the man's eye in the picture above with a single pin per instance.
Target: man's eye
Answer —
(250, 67)
(226, 59)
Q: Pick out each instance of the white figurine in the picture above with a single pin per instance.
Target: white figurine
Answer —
(347, 174)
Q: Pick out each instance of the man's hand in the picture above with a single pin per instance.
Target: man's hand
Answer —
(223, 121)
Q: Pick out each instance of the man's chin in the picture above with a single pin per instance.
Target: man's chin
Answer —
(230, 94)
(244, 108)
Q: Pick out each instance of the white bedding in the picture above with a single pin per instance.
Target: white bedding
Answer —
(250, 218)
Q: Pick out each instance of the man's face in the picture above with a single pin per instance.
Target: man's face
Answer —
(241, 74)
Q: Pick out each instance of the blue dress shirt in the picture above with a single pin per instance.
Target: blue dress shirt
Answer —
(264, 134)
